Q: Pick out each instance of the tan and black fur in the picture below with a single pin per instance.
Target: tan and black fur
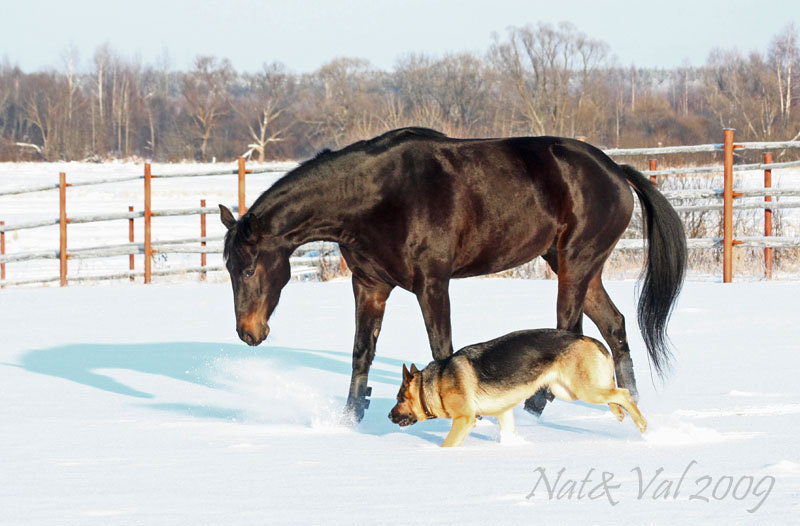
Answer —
(490, 378)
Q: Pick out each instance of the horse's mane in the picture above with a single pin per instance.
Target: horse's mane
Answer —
(372, 146)
(377, 144)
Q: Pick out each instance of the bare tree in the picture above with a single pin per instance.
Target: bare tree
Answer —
(259, 109)
(44, 106)
(541, 64)
(205, 90)
(346, 105)
(784, 53)
(739, 93)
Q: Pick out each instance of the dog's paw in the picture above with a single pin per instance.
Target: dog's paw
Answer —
(642, 426)
(617, 411)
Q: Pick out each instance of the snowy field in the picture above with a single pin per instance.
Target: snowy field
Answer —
(134, 404)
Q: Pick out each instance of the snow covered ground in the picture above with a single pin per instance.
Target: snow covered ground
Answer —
(137, 404)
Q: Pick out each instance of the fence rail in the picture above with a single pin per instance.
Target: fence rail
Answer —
(111, 180)
(204, 245)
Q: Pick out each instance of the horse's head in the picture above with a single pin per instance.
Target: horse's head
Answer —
(259, 269)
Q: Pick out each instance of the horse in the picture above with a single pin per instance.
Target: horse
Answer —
(414, 208)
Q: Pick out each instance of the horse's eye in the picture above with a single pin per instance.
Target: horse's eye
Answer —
(249, 272)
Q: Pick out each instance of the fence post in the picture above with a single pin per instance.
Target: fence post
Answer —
(203, 235)
(727, 224)
(131, 257)
(62, 228)
(2, 251)
(148, 247)
(653, 168)
(242, 172)
(768, 216)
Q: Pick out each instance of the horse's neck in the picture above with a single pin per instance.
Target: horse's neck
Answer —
(303, 212)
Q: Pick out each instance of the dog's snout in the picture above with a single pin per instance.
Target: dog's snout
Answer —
(401, 419)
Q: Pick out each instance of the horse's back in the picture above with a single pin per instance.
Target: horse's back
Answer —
(497, 203)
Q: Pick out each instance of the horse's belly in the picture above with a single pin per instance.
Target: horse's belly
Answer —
(498, 252)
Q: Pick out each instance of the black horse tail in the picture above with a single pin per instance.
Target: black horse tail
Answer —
(665, 270)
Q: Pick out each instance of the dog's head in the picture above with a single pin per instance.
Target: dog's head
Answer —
(408, 409)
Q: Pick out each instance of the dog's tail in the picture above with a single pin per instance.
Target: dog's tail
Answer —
(665, 268)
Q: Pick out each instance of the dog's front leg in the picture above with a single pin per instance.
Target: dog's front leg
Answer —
(506, 422)
(461, 427)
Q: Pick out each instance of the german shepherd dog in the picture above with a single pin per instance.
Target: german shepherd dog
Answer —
(490, 378)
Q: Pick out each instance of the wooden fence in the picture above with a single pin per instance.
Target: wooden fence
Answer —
(199, 245)
(727, 194)
(204, 245)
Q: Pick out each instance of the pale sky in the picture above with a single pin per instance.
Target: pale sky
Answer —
(35, 34)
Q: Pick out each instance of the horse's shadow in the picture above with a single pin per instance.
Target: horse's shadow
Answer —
(185, 361)
(193, 362)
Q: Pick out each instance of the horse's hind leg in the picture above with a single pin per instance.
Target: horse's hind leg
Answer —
(611, 323)
(574, 275)
(370, 299)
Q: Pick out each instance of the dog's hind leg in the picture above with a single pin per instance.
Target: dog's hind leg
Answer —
(619, 396)
(617, 410)
(462, 425)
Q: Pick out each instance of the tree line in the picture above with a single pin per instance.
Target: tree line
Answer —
(533, 80)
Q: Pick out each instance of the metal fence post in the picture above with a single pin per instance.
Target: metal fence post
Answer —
(768, 216)
(203, 235)
(727, 223)
(131, 258)
(62, 228)
(148, 247)
(653, 168)
(242, 172)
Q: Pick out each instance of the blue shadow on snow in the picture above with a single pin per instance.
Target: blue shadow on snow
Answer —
(187, 361)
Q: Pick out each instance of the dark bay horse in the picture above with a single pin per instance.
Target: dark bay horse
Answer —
(414, 208)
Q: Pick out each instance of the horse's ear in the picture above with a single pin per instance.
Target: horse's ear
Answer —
(226, 216)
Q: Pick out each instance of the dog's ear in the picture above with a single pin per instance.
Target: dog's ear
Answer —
(406, 374)
(414, 369)
(226, 216)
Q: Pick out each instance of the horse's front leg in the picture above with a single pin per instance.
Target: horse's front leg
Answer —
(370, 296)
(434, 300)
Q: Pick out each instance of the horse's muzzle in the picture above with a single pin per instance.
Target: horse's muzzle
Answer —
(253, 338)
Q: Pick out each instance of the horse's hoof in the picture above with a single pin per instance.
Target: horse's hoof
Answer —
(354, 410)
(351, 415)
(536, 404)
